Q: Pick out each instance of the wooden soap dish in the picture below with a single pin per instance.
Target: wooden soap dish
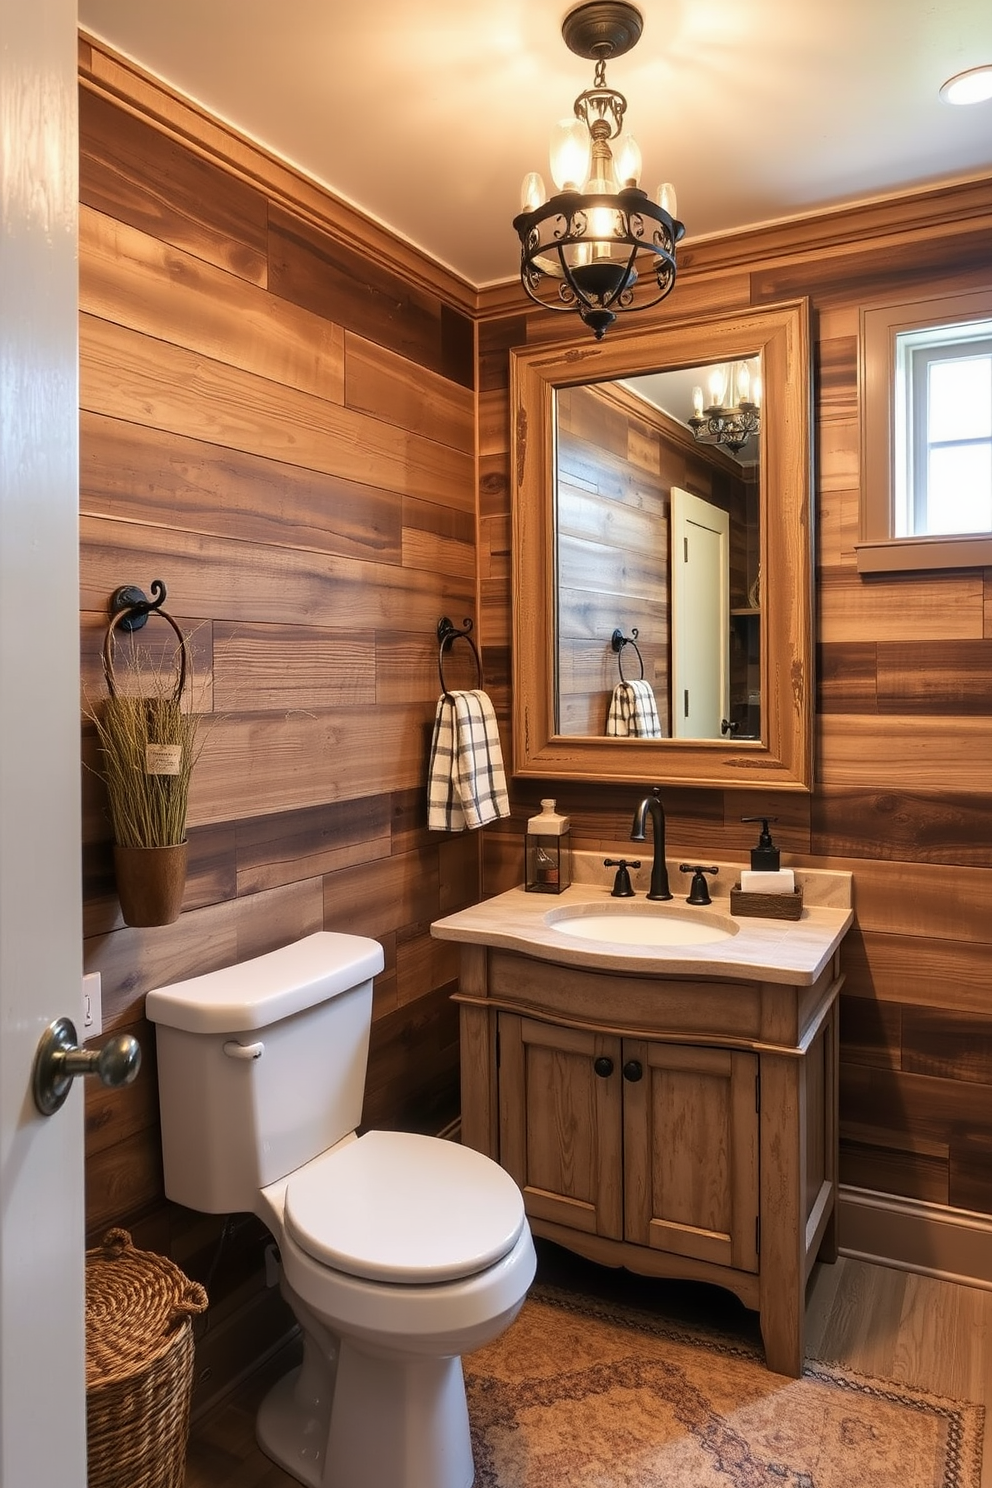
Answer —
(766, 906)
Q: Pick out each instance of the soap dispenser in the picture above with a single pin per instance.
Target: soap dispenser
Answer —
(765, 858)
(547, 852)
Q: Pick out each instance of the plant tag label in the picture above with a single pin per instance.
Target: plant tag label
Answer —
(163, 759)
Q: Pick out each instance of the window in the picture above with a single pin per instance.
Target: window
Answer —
(927, 434)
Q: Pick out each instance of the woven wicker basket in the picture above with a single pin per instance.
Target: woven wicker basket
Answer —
(139, 1365)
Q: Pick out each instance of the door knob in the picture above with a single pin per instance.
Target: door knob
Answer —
(633, 1070)
(603, 1066)
(59, 1060)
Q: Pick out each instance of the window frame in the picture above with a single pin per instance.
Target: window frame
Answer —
(879, 550)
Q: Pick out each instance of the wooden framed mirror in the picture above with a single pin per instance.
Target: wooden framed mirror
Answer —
(556, 725)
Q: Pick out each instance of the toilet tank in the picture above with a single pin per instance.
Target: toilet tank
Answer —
(261, 1066)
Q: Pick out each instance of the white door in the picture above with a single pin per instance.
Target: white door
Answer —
(700, 617)
(42, 1396)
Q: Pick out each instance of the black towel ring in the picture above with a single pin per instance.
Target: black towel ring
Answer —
(130, 609)
(618, 640)
(447, 634)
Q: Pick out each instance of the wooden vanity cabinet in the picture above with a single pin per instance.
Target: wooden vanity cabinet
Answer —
(652, 1143)
(675, 1128)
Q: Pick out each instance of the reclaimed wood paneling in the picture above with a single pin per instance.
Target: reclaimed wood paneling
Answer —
(950, 826)
(338, 282)
(379, 383)
(244, 581)
(918, 970)
(132, 172)
(136, 280)
(130, 376)
(132, 473)
(942, 676)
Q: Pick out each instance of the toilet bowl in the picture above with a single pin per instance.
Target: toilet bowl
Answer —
(398, 1252)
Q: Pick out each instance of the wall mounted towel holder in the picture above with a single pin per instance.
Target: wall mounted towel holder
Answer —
(447, 634)
(129, 609)
(618, 641)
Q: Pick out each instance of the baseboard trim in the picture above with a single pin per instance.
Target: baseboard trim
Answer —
(949, 1244)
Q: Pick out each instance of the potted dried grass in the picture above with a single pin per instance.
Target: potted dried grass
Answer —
(149, 745)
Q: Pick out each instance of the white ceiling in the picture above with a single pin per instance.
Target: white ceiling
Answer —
(428, 115)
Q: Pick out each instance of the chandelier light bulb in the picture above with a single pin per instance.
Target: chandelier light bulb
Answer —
(570, 152)
(732, 416)
(532, 193)
(627, 160)
(717, 383)
(667, 200)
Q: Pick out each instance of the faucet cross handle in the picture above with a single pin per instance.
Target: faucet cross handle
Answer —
(622, 886)
(699, 892)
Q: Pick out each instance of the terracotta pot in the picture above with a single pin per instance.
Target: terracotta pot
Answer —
(150, 883)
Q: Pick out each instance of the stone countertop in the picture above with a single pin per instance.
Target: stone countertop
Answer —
(790, 951)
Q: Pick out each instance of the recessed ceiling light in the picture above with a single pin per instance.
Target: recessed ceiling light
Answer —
(973, 86)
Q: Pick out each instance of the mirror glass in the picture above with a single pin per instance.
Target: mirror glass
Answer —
(662, 596)
(657, 541)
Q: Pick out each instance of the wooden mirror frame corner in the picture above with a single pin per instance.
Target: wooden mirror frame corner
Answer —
(783, 758)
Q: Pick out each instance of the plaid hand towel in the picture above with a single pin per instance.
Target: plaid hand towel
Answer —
(466, 786)
(633, 712)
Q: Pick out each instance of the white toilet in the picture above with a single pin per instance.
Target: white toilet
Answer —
(399, 1252)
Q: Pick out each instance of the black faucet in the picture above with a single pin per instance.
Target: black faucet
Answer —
(659, 870)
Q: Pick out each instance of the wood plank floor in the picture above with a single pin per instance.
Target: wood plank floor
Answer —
(933, 1334)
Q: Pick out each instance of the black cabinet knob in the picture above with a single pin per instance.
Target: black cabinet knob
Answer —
(633, 1071)
(603, 1066)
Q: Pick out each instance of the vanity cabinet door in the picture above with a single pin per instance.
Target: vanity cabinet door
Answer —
(560, 1123)
(691, 1151)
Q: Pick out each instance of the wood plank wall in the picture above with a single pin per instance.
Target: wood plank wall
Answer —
(283, 431)
(903, 792)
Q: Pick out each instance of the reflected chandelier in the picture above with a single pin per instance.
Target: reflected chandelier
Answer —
(733, 413)
(600, 245)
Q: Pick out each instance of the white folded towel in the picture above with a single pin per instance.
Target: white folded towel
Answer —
(466, 785)
(633, 712)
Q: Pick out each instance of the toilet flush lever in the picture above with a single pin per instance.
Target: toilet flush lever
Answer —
(234, 1050)
(59, 1060)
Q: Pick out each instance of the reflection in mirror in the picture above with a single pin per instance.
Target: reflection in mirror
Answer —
(683, 433)
(657, 499)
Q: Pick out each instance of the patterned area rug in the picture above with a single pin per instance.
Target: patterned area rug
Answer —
(585, 1394)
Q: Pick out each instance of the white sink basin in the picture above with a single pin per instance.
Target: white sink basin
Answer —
(641, 926)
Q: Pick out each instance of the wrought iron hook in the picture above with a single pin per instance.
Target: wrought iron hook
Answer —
(617, 641)
(447, 634)
(129, 609)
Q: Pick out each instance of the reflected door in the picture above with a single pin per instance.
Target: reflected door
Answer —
(700, 617)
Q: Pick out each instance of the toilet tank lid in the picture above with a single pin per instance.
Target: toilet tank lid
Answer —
(259, 992)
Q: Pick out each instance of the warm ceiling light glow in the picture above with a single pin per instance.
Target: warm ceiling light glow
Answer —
(601, 245)
(973, 86)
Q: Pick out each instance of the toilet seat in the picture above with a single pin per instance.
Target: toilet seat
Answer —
(403, 1208)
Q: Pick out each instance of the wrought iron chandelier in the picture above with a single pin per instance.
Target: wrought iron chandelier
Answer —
(733, 413)
(600, 245)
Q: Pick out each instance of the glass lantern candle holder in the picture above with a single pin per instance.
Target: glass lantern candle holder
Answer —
(547, 852)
